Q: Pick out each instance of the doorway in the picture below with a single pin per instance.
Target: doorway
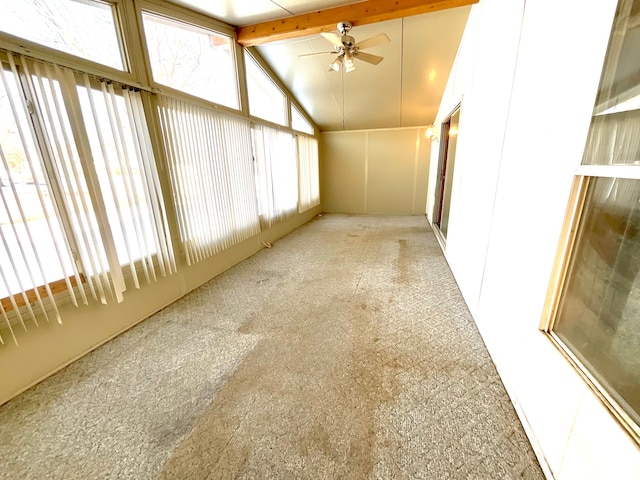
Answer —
(446, 164)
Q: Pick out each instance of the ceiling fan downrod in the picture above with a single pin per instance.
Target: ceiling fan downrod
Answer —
(344, 27)
(348, 42)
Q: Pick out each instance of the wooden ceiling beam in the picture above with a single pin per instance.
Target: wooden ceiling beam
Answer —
(363, 13)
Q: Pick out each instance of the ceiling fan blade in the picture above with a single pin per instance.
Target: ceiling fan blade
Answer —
(374, 41)
(333, 38)
(367, 57)
(315, 54)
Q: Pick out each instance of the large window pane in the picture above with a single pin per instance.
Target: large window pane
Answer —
(66, 161)
(614, 136)
(298, 122)
(26, 207)
(276, 174)
(125, 167)
(308, 172)
(599, 311)
(191, 59)
(211, 172)
(266, 100)
(79, 190)
(85, 28)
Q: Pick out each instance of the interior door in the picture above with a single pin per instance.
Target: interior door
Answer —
(446, 165)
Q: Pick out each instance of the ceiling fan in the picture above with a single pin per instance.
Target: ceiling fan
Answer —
(346, 50)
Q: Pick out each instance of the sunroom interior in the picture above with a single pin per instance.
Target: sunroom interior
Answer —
(481, 118)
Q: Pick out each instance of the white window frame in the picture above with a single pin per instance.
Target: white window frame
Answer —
(286, 123)
(583, 175)
(300, 111)
(182, 15)
(116, 277)
(124, 19)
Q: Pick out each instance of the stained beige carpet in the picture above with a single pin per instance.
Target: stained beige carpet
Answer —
(345, 351)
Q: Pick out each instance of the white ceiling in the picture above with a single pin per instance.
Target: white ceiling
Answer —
(403, 90)
(245, 12)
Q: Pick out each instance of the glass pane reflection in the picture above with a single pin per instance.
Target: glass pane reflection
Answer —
(614, 136)
(599, 311)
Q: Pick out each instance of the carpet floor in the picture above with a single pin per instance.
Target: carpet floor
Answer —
(345, 351)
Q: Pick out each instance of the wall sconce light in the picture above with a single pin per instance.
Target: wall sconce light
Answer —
(430, 134)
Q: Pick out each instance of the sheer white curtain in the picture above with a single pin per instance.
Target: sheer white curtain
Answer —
(276, 174)
(211, 170)
(309, 183)
(77, 178)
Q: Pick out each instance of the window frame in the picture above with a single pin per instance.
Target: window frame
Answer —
(313, 203)
(59, 285)
(123, 12)
(127, 270)
(138, 74)
(274, 213)
(179, 14)
(584, 174)
(272, 78)
(293, 106)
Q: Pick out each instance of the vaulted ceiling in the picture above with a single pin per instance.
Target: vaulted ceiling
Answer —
(403, 90)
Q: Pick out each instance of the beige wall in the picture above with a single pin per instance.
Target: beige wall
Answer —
(380, 171)
(46, 349)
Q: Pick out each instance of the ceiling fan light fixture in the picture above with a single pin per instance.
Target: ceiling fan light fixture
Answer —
(346, 48)
(349, 64)
(335, 65)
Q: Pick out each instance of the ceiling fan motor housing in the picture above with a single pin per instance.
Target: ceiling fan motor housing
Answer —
(346, 49)
(348, 41)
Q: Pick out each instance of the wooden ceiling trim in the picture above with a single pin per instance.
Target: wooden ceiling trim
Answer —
(362, 13)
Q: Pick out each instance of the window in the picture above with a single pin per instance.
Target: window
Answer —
(299, 122)
(596, 316)
(309, 188)
(80, 191)
(276, 174)
(266, 100)
(126, 171)
(211, 170)
(34, 249)
(191, 59)
(85, 28)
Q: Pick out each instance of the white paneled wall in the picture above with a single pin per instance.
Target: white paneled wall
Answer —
(527, 75)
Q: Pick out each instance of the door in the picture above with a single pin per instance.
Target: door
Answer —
(446, 164)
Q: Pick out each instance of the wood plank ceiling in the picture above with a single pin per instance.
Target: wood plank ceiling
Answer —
(403, 90)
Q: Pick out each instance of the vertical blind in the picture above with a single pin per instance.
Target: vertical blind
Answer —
(309, 187)
(27, 214)
(211, 171)
(80, 195)
(80, 191)
(276, 174)
(128, 178)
